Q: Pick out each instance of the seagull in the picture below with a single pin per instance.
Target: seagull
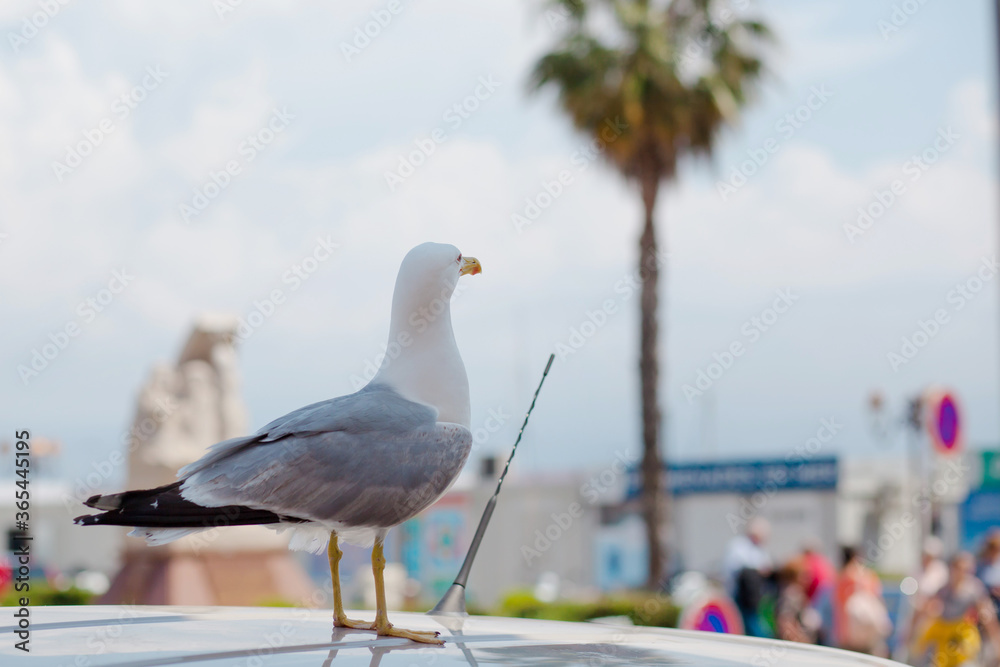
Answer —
(346, 468)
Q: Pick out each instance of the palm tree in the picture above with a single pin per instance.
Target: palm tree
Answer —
(668, 76)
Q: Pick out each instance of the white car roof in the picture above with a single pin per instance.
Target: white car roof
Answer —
(262, 637)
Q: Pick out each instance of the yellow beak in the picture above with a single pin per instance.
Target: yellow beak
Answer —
(470, 266)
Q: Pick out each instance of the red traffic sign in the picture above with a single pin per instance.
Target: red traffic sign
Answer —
(944, 423)
(712, 613)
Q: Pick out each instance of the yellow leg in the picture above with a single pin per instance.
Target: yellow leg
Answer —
(382, 625)
(339, 617)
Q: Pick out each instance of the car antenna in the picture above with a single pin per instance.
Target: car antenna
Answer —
(453, 602)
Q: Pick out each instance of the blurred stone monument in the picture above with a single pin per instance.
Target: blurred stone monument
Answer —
(182, 410)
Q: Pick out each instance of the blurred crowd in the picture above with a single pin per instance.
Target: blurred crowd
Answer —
(948, 616)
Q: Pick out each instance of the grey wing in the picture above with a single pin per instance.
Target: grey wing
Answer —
(367, 479)
(375, 407)
(383, 463)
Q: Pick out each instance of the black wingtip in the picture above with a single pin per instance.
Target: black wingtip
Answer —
(106, 503)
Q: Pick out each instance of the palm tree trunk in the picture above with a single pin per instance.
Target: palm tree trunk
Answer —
(653, 499)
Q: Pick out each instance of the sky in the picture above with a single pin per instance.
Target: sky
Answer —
(226, 142)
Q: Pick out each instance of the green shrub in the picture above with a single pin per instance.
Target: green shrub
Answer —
(520, 604)
(654, 610)
(641, 608)
(44, 594)
(274, 602)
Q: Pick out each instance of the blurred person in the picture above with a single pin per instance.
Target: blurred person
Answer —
(931, 576)
(819, 573)
(861, 621)
(6, 573)
(933, 570)
(820, 578)
(988, 567)
(947, 624)
(795, 620)
(746, 566)
(989, 553)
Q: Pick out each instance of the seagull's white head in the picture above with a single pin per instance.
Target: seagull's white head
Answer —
(422, 361)
(430, 272)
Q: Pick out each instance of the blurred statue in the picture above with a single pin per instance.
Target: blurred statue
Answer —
(181, 410)
(185, 408)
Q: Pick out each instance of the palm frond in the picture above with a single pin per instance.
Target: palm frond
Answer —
(639, 78)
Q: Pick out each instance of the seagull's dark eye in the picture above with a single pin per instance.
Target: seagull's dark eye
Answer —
(459, 259)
